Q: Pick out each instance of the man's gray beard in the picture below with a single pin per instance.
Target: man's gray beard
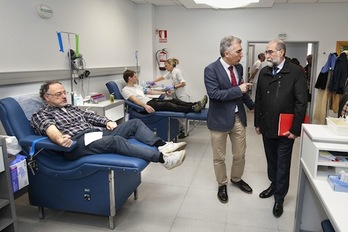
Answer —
(274, 62)
(270, 64)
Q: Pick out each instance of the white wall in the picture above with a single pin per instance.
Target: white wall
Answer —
(194, 35)
(111, 31)
(145, 41)
(107, 29)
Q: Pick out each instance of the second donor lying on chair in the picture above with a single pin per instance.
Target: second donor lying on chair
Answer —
(63, 123)
(135, 93)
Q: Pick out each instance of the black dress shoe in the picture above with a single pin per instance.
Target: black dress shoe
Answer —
(222, 194)
(243, 186)
(182, 135)
(278, 209)
(267, 192)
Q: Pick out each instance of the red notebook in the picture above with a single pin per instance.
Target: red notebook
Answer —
(285, 123)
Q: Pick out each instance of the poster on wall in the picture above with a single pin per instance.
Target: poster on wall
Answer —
(162, 36)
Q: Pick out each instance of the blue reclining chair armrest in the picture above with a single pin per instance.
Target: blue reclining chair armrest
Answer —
(134, 106)
(41, 143)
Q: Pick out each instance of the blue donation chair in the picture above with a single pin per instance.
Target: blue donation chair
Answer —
(196, 119)
(327, 226)
(164, 123)
(96, 184)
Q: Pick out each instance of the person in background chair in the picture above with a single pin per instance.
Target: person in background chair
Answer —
(178, 82)
(226, 116)
(64, 123)
(135, 93)
(281, 88)
(176, 77)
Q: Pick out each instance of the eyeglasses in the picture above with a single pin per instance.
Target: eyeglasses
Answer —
(271, 51)
(58, 94)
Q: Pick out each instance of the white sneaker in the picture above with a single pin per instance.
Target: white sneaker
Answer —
(174, 159)
(170, 147)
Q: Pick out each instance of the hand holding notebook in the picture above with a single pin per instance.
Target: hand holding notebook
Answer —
(285, 123)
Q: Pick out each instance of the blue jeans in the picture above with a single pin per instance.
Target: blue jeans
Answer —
(115, 141)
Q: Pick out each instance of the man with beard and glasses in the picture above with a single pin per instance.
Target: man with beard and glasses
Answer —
(281, 89)
(64, 123)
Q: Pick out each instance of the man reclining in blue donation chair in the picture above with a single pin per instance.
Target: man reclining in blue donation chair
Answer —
(64, 123)
(137, 94)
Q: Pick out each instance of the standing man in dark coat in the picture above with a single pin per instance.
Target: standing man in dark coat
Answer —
(281, 88)
(226, 116)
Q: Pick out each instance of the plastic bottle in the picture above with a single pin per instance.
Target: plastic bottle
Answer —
(80, 100)
(112, 98)
(77, 100)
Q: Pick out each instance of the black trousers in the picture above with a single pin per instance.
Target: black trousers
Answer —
(171, 105)
(278, 154)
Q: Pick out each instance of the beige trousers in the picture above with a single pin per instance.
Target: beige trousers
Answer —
(238, 141)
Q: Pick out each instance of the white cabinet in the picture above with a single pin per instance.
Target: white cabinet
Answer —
(7, 208)
(317, 139)
(316, 199)
(112, 110)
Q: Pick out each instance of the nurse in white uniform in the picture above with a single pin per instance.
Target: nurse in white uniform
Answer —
(177, 78)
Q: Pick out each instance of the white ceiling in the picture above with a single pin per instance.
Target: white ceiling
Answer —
(190, 4)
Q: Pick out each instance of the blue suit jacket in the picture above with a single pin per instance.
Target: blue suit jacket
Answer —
(223, 98)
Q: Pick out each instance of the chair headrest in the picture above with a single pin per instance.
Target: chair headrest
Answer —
(30, 103)
(13, 118)
(115, 88)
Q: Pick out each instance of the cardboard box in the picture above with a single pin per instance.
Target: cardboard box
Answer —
(19, 173)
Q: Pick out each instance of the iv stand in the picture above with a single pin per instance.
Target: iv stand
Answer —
(71, 69)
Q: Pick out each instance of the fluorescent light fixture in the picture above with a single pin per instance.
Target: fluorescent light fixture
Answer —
(226, 3)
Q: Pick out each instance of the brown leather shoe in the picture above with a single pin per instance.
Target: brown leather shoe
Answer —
(243, 186)
(222, 194)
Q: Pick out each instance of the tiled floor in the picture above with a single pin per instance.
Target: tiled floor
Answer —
(184, 199)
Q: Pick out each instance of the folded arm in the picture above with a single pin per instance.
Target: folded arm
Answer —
(57, 137)
(135, 100)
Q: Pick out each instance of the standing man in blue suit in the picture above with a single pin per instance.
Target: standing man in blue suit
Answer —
(226, 116)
